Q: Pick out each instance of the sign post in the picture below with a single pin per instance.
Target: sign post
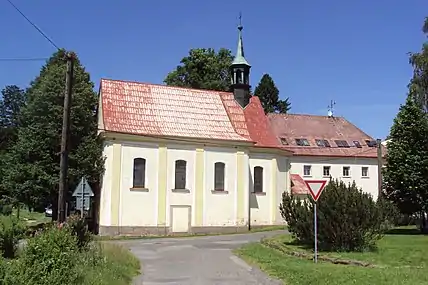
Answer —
(82, 194)
(315, 188)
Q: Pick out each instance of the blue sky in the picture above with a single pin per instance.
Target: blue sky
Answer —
(354, 52)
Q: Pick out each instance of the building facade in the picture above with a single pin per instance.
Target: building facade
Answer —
(327, 147)
(187, 160)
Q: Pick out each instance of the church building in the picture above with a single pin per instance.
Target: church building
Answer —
(181, 160)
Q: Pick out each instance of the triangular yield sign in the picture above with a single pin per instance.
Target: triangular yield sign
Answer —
(315, 187)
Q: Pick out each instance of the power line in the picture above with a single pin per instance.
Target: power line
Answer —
(32, 24)
(24, 59)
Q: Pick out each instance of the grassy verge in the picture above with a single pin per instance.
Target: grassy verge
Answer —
(31, 218)
(119, 267)
(400, 259)
(254, 230)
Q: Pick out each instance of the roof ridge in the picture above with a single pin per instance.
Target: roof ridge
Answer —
(163, 85)
(296, 114)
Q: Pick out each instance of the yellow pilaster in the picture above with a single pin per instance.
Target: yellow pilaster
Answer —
(199, 186)
(115, 187)
(241, 181)
(162, 184)
(274, 170)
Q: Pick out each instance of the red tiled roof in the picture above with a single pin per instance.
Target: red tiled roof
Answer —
(311, 127)
(158, 110)
(258, 124)
(298, 185)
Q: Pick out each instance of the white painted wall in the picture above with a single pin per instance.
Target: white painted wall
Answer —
(180, 152)
(283, 185)
(139, 208)
(105, 195)
(220, 208)
(368, 184)
(261, 204)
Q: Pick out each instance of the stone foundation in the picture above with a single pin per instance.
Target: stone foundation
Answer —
(166, 231)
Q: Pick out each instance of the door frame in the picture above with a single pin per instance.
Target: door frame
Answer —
(189, 225)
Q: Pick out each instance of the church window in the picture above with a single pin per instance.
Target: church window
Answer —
(258, 179)
(219, 168)
(180, 174)
(139, 179)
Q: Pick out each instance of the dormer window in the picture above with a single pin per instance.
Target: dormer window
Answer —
(341, 143)
(283, 141)
(371, 143)
(322, 143)
(357, 144)
(302, 142)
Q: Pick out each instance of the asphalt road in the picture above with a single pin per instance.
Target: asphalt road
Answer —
(197, 260)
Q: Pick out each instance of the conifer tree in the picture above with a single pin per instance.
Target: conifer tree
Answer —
(268, 93)
(406, 173)
(33, 172)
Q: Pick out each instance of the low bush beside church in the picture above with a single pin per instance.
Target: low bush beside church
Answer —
(348, 218)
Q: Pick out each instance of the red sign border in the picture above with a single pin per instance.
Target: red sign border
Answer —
(316, 197)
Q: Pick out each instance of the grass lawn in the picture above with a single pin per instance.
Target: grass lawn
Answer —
(31, 218)
(119, 267)
(400, 259)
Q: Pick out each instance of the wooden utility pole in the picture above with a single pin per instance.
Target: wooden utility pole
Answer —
(379, 166)
(63, 185)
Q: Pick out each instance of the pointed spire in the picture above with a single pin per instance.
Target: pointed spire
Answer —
(239, 57)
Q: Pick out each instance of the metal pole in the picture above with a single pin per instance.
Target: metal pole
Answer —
(83, 198)
(64, 139)
(379, 166)
(315, 233)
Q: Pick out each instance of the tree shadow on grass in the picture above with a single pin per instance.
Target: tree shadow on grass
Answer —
(406, 231)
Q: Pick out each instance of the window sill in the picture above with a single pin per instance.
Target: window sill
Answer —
(219, 192)
(365, 177)
(346, 176)
(307, 176)
(326, 176)
(259, 193)
(139, 189)
(180, 190)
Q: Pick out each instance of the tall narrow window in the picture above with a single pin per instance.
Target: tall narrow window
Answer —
(258, 179)
(139, 180)
(346, 171)
(180, 174)
(219, 176)
(307, 170)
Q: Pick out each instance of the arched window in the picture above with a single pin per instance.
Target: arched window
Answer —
(219, 176)
(180, 174)
(139, 180)
(258, 179)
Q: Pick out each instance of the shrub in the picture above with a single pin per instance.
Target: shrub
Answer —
(79, 227)
(6, 209)
(348, 219)
(50, 257)
(11, 231)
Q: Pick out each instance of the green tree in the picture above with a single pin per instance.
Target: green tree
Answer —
(203, 69)
(268, 93)
(33, 172)
(406, 172)
(11, 102)
(419, 84)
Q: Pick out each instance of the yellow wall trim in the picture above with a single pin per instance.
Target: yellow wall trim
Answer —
(162, 184)
(274, 170)
(240, 181)
(116, 187)
(199, 185)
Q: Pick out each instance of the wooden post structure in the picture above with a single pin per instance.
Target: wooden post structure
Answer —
(63, 185)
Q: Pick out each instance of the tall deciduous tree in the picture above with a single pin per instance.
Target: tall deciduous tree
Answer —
(34, 174)
(268, 93)
(406, 172)
(419, 83)
(203, 69)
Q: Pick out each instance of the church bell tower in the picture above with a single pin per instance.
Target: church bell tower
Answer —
(240, 73)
